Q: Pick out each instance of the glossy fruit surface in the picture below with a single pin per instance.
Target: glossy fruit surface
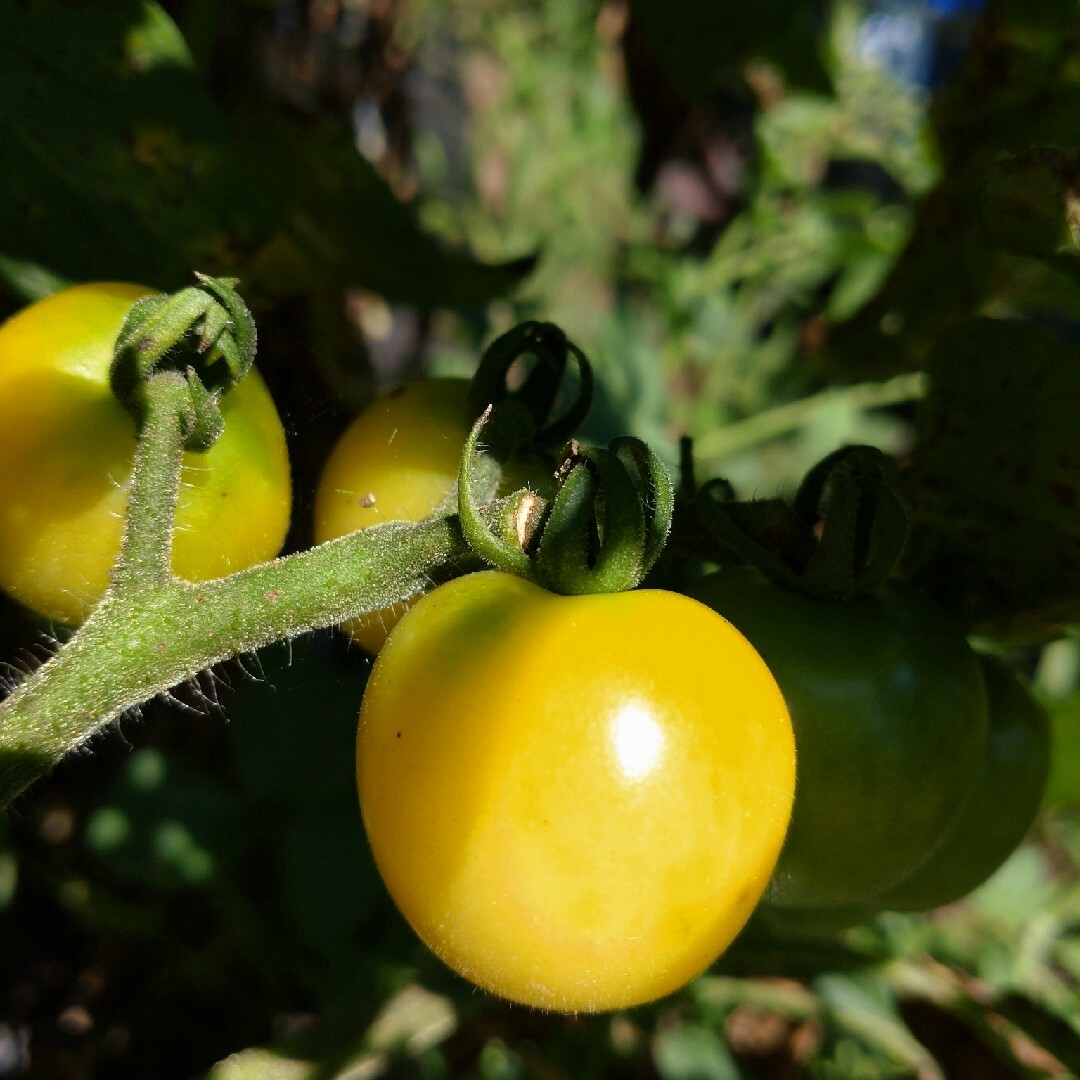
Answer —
(397, 461)
(1001, 806)
(889, 712)
(66, 451)
(999, 810)
(575, 801)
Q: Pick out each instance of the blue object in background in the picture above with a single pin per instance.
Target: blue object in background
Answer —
(919, 42)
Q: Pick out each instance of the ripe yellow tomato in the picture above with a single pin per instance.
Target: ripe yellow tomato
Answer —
(66, 452)
(576, 801)
(398, 461)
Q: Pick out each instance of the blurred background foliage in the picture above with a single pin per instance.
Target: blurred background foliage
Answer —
(776, 228)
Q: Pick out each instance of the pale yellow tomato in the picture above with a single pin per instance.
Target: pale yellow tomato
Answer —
(66, 453)
(576, 801)
(398, 461)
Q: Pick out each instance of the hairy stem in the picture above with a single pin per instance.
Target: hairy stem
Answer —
(152, 630)
(146, 548)
(138, 643)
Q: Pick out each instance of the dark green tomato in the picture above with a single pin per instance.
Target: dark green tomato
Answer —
(998, 812)
(889, 712)
(999, 809)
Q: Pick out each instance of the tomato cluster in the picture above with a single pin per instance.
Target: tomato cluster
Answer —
(576, 800)
(511, 798)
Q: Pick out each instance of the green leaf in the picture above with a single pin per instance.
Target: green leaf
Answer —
(993, 486)
(329, 882)
(349, 1043)
(117, 163)
(346, 223)
(693, 1053)
(1043, 1027)
(862, 1006)
(1063, 786)
(164, 825)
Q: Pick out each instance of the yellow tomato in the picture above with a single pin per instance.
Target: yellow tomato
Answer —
(397, 461)
(66, 453)
(576, 801)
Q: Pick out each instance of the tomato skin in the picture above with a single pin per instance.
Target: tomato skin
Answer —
(999, 809)
(889, 712)
(576, 801)
(398, 461)
(67, 446)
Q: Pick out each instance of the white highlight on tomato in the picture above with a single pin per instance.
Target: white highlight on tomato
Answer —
(639, 741)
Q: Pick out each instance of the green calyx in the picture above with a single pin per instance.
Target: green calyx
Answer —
(601, 531)
(205, 333)
(841, 535)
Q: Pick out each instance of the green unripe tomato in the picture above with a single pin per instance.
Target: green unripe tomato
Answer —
(66, 453)
(889, 711)
(561, 801)
(999, 809)
(998, 812)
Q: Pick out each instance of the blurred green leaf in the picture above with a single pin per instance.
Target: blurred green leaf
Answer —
(862, 1006)
(349, 1044)
(1044, 1028)
(164, 825)
(1019, 891)
(1063, 786)
(120, 165)
(329, 882)
(117, 163)
(994, 481)
(347, 225)
(693, 1053)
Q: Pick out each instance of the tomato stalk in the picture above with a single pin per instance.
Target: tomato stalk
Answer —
(152, 630)
(146, 547)
(146, 637)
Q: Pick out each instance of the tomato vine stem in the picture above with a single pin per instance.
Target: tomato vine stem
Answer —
(153, 630)
(146, 546)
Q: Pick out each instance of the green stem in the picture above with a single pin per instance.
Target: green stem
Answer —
(139, 642)
(152, 631)
(146, 548)
(784, 419)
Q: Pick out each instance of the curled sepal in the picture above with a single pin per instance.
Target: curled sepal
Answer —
(499, 539)
(840, 536)
(656, 494)
(608, 521)
(204, 423)
(539, 392)
(205, 332)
